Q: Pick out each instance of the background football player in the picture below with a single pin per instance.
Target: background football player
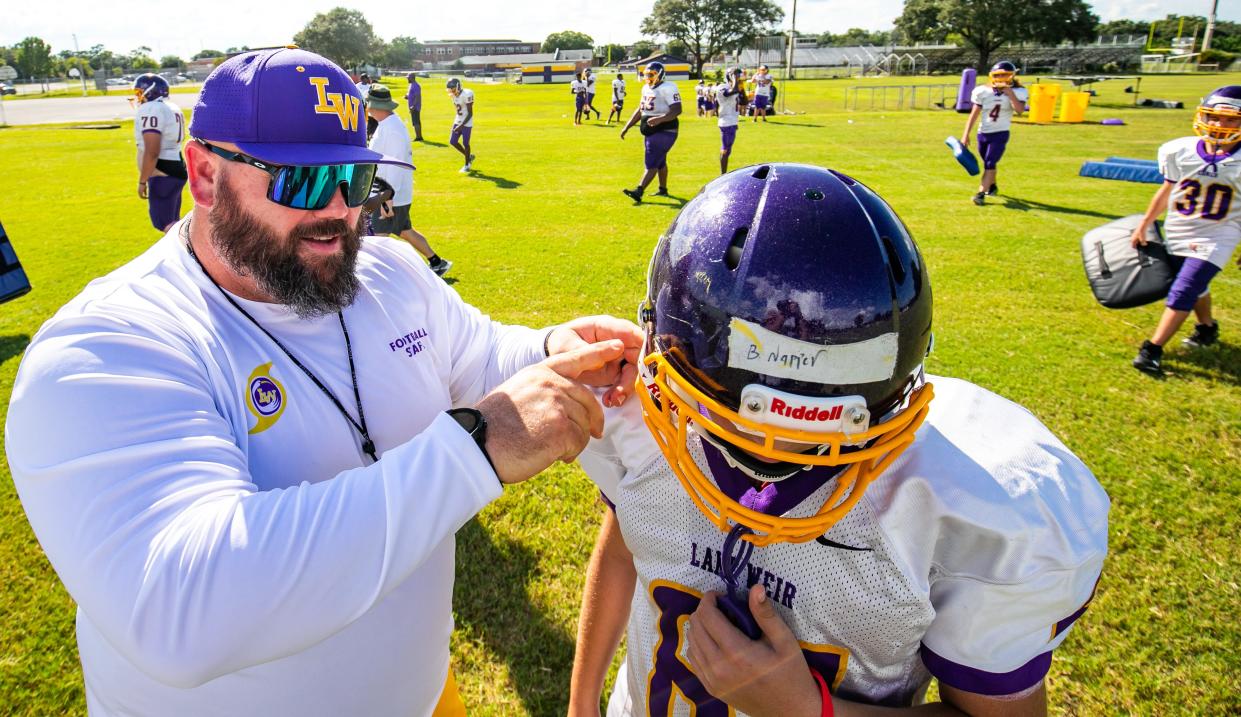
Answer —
(762, 92)
(463, 121)
(618, 98)
(802, 527)
(578, 87)
(588, 77)
(1201, 176)
(996, 103)
(728, 97)
(159, 128)
(657, 115)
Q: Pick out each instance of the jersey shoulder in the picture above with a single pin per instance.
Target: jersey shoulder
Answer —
(980, 94)
(985, 479)
(1179, 147)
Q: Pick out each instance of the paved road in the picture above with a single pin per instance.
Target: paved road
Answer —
(77, 109)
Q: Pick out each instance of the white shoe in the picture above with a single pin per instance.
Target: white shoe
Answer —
(465, 169)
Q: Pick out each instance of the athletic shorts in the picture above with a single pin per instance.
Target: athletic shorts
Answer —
(618, 105)
(462, 132)
(395, 224)
(760, 102)
(1191, 283)
(703, 104)
(991, 147)
(657, 147)
(579, 100)
(164, 200)
(590, 98)
(728, 135)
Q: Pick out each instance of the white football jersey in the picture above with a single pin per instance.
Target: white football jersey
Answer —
(967, 560)
(658, 100)
(618, 90)
(462, 103)
(997, 109)
(762, 84)
(164, 118)
(590, 84)
(729, 105)
(1202, 219)
(577, 87)
(231, 549)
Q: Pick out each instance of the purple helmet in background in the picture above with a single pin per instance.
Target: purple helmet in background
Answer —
(787, 317)
(149, 87)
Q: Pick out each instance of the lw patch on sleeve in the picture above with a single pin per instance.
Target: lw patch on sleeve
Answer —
(754, 348)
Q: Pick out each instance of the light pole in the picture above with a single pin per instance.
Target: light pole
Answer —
(1206, 38)
(788, 61)
(81, 72)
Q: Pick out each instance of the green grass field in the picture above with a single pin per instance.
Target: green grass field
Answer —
(541, 233)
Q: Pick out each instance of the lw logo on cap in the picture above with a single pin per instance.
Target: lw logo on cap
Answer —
(342, 104)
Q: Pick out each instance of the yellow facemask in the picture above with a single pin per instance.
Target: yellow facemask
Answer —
(670, 403)
(1215, 133)
(1001, 78)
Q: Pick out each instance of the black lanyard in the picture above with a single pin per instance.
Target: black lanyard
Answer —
(368, 446)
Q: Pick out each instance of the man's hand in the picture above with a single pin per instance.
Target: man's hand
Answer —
(965, 140)
(617, 375)
(1139, 237)
(385, 210)
(142, 190)
(767, 676)
(544, 413)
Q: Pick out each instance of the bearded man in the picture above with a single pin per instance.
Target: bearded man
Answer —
(247, 451)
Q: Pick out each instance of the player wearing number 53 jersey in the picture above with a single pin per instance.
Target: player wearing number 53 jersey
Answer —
(159, 128)
(806, 520)
(1202, 176)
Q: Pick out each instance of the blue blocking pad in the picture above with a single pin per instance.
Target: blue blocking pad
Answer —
(1127, 170)
(963, 155)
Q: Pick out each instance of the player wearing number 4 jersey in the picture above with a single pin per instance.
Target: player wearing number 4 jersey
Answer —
(806, 523)
(1201, 176)
(995, 103)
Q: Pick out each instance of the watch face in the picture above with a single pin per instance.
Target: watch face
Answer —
(468, 419)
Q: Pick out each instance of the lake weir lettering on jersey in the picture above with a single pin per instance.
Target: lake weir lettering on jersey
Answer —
(777, 588)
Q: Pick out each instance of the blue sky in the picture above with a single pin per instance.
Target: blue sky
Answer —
(184, 28)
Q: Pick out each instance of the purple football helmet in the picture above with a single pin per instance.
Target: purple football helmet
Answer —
(1217, 117)
(148, 87)
(787, 305)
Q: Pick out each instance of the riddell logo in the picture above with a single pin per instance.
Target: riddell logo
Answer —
(805, 413)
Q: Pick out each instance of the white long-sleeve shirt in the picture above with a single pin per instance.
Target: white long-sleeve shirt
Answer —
(231, 549)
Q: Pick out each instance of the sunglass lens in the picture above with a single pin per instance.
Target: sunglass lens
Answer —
(313, 187)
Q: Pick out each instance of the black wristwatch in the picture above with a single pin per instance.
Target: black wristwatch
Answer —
(475, 424)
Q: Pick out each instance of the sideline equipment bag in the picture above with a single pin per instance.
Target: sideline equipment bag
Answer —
(13, 281)
(1122, 276)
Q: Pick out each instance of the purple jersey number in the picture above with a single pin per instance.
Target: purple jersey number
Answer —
(1216, 200)
(671, 674)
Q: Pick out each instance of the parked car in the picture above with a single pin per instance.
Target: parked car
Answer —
(7, 89)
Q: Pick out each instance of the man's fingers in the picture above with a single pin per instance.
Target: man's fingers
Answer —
(623, 389)
(572, 364)
(775, 631)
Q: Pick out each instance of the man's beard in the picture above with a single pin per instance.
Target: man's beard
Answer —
(251, 249)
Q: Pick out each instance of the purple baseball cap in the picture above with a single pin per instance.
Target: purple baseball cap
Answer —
(286, 106)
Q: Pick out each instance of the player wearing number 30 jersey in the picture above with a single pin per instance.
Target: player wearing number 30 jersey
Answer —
(806, 519)
(1202, 178)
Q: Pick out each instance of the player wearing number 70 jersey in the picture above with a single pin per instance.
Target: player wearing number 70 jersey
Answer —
(1202, 176)
(159, 128)
(806, 522)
